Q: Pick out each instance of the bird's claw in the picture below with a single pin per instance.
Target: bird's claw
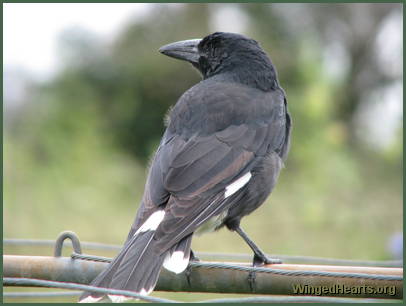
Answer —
(272, 261)
(260, 260)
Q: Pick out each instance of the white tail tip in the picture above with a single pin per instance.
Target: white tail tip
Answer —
(176, 262)
(90, 299)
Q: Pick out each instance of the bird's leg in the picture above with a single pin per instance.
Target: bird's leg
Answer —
(189, 268)
(259, 256)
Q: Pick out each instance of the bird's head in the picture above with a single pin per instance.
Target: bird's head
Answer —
(226, 53)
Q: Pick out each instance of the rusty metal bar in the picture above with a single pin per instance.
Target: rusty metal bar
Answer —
(216, 256)
(202, 279)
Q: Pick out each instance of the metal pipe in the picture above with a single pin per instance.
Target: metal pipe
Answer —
(216, 256)
(202, 279)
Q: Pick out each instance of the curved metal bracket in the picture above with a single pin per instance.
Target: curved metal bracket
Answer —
(61, 238)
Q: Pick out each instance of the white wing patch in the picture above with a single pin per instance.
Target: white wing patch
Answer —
(237, 184)
(152, 222)
(176, 262)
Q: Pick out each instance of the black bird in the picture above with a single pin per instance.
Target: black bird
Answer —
(218, 160)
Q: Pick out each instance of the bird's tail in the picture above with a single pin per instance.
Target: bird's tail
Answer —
(137, 266)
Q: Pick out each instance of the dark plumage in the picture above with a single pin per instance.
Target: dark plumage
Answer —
(218, 159)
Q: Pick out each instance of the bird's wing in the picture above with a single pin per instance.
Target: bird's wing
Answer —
(200, 172)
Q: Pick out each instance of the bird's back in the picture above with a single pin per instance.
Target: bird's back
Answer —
(212, 106)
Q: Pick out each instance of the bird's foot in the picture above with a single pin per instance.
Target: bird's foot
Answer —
(262, 259)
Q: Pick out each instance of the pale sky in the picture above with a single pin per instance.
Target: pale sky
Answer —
(30, 31)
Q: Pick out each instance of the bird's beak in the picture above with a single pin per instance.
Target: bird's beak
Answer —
(184, 50)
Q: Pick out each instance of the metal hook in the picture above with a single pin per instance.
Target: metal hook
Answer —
(61, 238)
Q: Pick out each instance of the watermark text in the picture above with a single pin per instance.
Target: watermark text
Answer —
(343, 289)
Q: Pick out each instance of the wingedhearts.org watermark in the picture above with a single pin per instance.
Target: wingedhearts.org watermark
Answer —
(343, 289)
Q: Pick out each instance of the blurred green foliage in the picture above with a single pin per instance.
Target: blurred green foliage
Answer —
(75, 155)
